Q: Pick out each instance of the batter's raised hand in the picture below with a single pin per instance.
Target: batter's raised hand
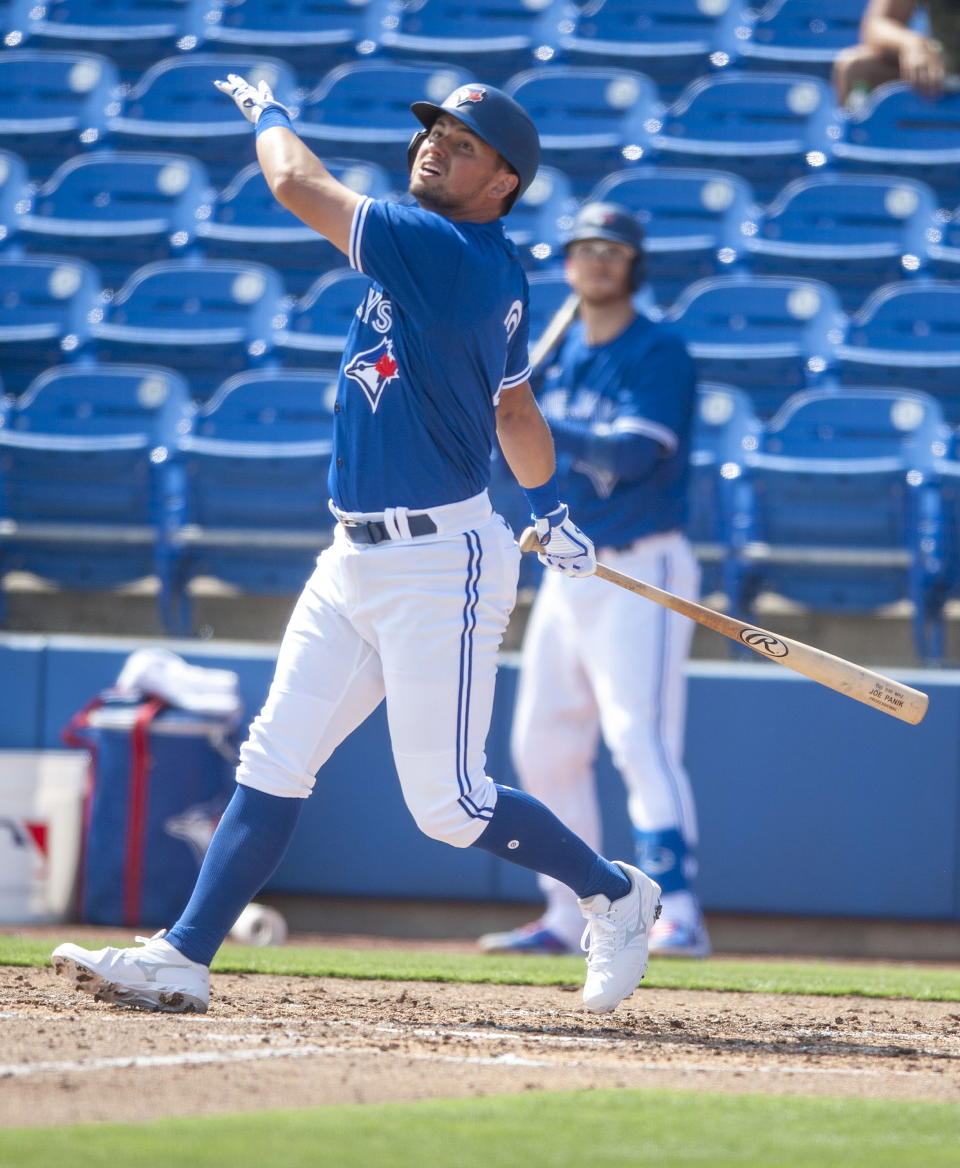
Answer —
(566, 548)
(251, 100)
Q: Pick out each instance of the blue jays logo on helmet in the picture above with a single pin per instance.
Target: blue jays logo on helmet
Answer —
(373, 370)
(466, 95)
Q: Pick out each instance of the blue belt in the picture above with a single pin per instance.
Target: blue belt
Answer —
(375, 530)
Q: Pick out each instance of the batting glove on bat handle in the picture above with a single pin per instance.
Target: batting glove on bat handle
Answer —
(562, 546)
(250, 101)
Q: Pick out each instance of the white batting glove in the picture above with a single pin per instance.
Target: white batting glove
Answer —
(250, 101)
(568, 550)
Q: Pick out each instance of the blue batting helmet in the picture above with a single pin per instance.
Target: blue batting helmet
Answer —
(494, 117)
(610, 221)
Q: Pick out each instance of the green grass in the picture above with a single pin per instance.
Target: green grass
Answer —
(595, 1129)
(923, 983)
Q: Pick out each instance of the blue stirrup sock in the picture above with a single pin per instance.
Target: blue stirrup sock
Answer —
(246, 848)
(665, 857)
(527, 833)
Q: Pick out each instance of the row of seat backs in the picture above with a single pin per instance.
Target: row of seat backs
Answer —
(768, 127)
(123, 209)
(671, 39)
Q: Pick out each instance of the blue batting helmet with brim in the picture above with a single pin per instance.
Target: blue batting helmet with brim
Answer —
(495, 118)
(610, 221)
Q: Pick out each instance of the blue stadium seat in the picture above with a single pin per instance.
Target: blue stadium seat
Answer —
(256, 472)
(799, 36)
(691, 221)
(363, 110)
(767, 127)
(669, 40)
(540, 217)
(174, 103)
(548, 290)
(493, 38)
(845, 508)
(725, 432)
(591, 121)
(855, 232)
(89, 489)
(907, 334)
(119, 211)
(131, 33)
(205, 319)
(53, 104)
(245, 222)
(15, 191)
(313, 333)
(898, 130)
(312, 36)
(769, 335)
(45, 304)
(943, 246)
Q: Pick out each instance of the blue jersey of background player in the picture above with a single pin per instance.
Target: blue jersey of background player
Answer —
(426, 361)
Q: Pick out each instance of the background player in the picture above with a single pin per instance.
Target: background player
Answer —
(411, 602)
(619, 398)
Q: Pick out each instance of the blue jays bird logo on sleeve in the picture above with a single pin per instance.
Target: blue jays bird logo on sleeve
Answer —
(373, 370)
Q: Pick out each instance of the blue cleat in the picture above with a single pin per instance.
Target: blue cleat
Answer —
(534, 939)
(674, 939)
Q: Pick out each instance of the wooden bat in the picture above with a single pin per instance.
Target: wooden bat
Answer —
(873, 689)
(553, 333)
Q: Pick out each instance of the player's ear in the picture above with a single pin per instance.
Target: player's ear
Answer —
(505, 182)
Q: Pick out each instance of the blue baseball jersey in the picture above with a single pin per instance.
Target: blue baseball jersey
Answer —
(441, 332)
(642, 383)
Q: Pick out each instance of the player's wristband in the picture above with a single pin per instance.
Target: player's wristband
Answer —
(543, 499)
(272, 116)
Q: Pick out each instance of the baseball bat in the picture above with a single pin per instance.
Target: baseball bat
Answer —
(863, 685)
(553, 333)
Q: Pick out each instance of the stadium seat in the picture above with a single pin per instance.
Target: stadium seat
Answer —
(668, 40)
(907, 334)
(312, 36)
(691, 221)
(845, 510)
(898, 130)
(119, 211)
(131, 33)
(943, 246)
(14, 193)
(768, 335)
(540, 217)
(590, 121)
(314, 331)
(45, 302)
(767, 127)
(548, 290)
(53, 104)
(174, 103)
(363, 110)
(855, 232)
(205, 319)
(245, 222)
(89, 490)
(493, 38)
(799, 36)
(256, 479)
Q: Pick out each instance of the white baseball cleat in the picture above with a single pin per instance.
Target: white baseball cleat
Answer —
(154, 977)
(617, 939)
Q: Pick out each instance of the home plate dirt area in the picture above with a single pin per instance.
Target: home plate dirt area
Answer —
(287, 1042)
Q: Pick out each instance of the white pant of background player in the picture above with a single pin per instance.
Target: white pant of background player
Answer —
(599, 660)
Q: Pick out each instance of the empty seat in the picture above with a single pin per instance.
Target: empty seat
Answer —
(175, 103)
(205, 319)
(53, 104)
(802, 36)
(245, 222)
(363, 110)
(943, 246)
(590, 120)
(767, 334)
(767, 127)
(845, 508)
(314, 331)
(118, 210)
(907, 334)
(88, 490)
(45, 302)
(14, 194)
(256, 480)
(691, 219)
(540, 217)
(856, 232)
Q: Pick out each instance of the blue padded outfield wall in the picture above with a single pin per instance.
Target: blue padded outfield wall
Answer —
(810, 803)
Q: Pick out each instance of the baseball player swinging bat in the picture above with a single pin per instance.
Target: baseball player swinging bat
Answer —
(873, 689)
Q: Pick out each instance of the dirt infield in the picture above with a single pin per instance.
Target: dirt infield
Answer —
(287, 1042)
